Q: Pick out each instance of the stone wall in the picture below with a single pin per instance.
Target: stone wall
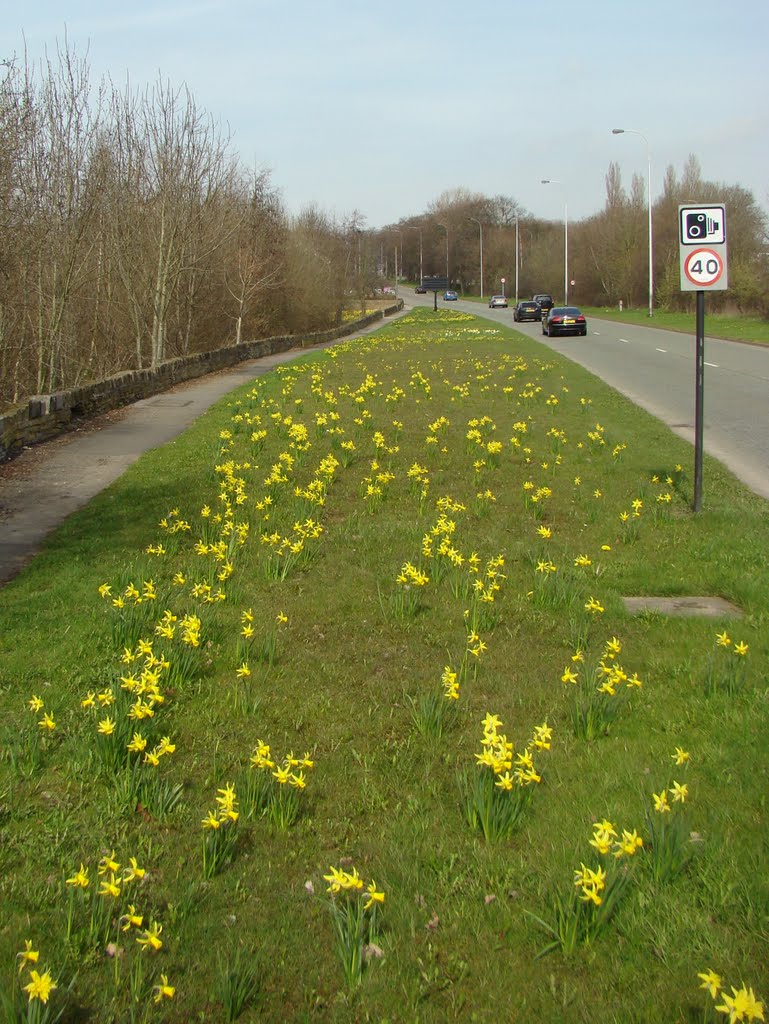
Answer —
(43, 417)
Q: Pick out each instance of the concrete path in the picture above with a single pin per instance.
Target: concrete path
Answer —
(46, 483)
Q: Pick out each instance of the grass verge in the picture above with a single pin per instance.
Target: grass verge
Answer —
(340, 687)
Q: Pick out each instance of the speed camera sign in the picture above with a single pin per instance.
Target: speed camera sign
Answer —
(702, 248)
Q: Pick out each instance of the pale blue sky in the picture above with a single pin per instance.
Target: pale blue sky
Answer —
(381, 107)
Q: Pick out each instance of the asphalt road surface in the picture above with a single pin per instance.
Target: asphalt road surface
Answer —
(655, 369)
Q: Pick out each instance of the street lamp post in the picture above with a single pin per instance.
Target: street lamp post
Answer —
(418, 227)
(480, 229)
(448, 278)
(632, 131)
(516, 259)
(554, 181)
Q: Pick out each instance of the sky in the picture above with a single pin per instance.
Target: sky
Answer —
(379, 108)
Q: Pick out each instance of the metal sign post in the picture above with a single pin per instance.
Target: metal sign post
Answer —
(435, 285)
(703, 263)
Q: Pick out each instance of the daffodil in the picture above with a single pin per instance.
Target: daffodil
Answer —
(374, 896)
(711, 982)
(680, 756)
(80, 878)
(133, 871)
(28, 955)
(661, 804)
(109, 886)
(163, 990)
(151, 937)
(131, 919)
(40, 987)
(108, 864)
(679, 792)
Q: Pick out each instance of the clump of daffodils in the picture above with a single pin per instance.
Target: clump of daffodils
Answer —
(727, 665)
(220, 835)
(580, 915)
(410, 584)
(599, 689)
(741, 1005)
(277, 790)
(498, 792)
(37, 985)
(354, 910)
(671, 839)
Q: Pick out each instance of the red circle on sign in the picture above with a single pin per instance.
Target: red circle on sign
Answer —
(703, 267)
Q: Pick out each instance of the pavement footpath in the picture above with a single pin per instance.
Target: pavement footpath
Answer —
(48, 482)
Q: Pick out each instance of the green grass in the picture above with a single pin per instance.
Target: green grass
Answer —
(349, 681)
(717, 325)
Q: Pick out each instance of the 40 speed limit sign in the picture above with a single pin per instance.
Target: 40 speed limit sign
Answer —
(703, 268)
(702, 248)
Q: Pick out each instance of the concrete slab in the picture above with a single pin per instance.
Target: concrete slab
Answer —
(709, 607)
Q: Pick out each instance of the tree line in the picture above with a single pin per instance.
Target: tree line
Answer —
(131, 233)
(607, 252)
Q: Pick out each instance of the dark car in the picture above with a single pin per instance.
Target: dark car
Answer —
(545, 303)
(528, 310)
(564, 320)
(450, 296)
(420, 289)
(497, 302)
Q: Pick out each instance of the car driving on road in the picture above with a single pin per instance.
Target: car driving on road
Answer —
(450, 296)
(527, 310)
(564, 320)
(497, 302)
(545, 303)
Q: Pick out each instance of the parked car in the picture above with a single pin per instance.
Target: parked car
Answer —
(564, 320)
(450, 296)
(497, 302)
(545, 303)
(527, 310)
(420, 289)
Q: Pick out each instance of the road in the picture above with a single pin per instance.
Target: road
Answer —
(655, 370)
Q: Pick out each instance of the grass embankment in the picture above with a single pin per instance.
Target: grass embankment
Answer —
(355, 562)
(717, 325)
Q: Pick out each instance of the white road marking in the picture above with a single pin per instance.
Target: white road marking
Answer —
(714, 365)
(662, 350)
(625, 341)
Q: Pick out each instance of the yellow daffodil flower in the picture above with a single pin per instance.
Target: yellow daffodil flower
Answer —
(661, 802)
(40, 987)
(80, 878)
(28, 955)
(679, 792)
(163, 990)
(151, 938)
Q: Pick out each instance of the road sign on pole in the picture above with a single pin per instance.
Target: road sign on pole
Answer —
(702, 252)
(702, 248)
